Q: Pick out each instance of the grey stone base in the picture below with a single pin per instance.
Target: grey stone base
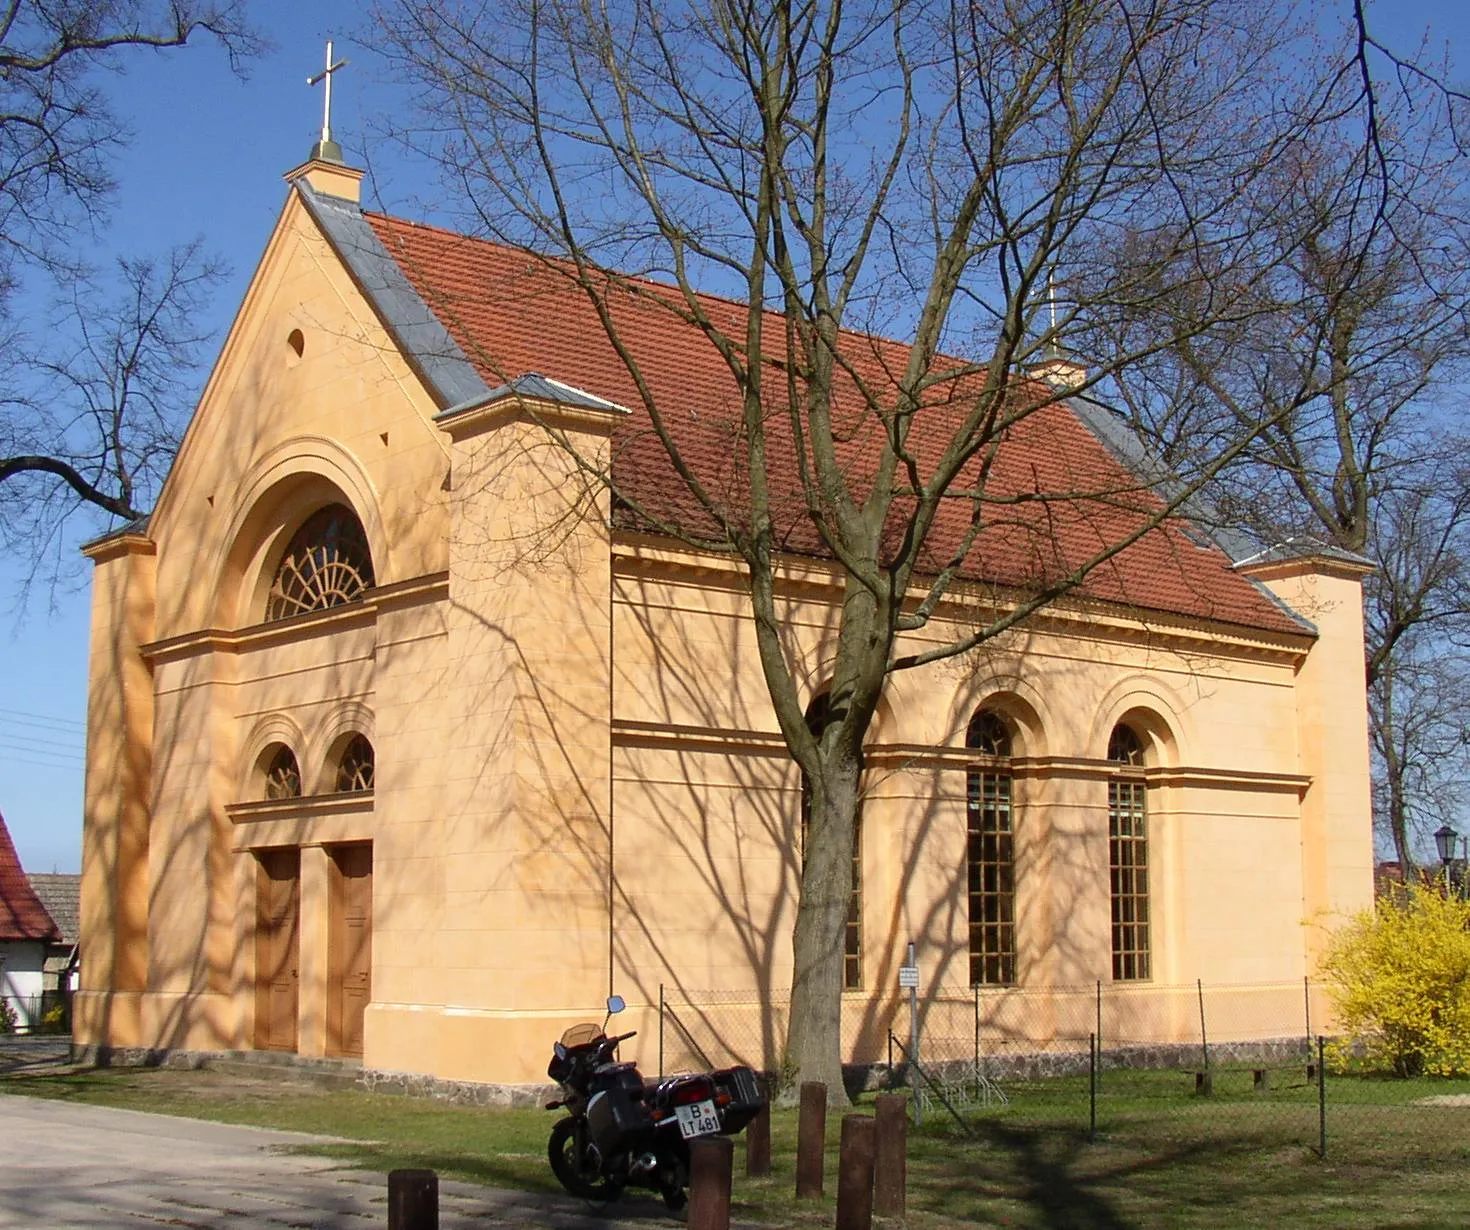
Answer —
(1015, 1066)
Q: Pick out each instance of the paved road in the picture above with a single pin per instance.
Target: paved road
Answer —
(64, 1165)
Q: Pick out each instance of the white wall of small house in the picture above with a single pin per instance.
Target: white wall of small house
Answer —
(20, 979)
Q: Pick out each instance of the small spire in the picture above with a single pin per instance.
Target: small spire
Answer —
(327, 150)
(1054, 342)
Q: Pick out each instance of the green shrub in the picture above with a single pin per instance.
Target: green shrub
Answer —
(7, 1017)
(1400, 979)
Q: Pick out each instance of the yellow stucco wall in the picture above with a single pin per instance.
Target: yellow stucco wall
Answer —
(579, 785)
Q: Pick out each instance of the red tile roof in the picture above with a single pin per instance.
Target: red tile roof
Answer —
(22, 916)
(512, 314)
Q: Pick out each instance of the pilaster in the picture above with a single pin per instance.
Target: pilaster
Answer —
(114, 902)
(1332, 734)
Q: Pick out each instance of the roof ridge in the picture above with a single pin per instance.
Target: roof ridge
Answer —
(732, 301)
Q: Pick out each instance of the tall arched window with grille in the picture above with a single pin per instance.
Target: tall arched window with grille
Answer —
(326, 563)
(1128, 856)
(990, 854)
(818, 715)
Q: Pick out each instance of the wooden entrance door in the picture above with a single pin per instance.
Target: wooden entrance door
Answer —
(350, 947)
(277, 948)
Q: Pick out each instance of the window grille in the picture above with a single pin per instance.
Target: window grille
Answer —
(990, 855)
(355, 772)
(283, 775)
(326, 564)
(1128, 860)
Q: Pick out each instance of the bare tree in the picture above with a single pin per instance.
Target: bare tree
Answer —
(57, 136)
(1359, 342)
(95, 408)
(976, 179)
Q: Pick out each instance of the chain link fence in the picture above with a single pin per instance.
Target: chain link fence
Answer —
(1165, 1068)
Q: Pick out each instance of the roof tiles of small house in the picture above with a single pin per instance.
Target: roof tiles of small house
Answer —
(61, 894)
(512, 313)
(22, 916)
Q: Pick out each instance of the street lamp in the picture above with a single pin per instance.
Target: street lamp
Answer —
(1446, 843)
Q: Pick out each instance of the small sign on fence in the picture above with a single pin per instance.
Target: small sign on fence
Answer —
(908, 976)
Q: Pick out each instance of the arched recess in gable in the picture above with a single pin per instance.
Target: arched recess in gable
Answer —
(348, 719)
(273, 730)
(277, 496)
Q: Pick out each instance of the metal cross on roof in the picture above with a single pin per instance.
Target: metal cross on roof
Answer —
(327, 148)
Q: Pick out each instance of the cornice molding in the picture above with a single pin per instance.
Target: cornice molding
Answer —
(417, 591)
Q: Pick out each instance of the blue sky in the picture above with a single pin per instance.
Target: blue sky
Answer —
(207, 159)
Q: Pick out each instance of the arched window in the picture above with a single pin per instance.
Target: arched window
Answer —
(355, 769)
(1128, 856)
(326, 564)
(818, 716)
(282, 774)
(990, 852)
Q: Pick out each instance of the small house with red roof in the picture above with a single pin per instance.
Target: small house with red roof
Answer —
(26, 934)
(407, 743)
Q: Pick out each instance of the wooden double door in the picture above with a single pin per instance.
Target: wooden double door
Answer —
(278, 948)
(349, 947)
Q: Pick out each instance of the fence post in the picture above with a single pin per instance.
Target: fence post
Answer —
(891, 1155)
(710, 1162)
(977, 1029)
(1092, 1087)
(1321, 1097)
(811, 1136)
(758, 1143)
(855, 1174)
(1307, 992)
(413, 1200)
(1204, 1037)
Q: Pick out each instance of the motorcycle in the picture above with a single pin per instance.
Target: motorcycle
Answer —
(621, 1132)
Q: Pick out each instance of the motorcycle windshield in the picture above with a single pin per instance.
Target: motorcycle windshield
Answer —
(581, 1035)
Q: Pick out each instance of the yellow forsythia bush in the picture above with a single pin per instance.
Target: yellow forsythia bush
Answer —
(1400, 978)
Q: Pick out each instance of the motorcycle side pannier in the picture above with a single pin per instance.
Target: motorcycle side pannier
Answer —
(744, 1091)
(613, 1115)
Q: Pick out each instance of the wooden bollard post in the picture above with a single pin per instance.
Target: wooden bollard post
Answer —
(891, 1155)
(758, 1144)
(811, 1139)
(413, 1200)
(711, 1159)
(855, 1174)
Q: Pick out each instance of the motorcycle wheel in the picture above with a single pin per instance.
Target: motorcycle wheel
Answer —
(675, 1197)
(563, 1152)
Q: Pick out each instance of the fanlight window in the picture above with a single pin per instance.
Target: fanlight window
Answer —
(1125, 747)
(282, 775)
(326, 564)
(355, 772)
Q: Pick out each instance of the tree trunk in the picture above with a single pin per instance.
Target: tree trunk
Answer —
(814, 1044)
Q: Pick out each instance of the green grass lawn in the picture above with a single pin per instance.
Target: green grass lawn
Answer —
(1163, 1156)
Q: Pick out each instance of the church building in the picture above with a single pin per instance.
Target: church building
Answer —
(408, 746)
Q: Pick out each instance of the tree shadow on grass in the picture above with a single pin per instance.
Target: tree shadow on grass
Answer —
(1064, 1182)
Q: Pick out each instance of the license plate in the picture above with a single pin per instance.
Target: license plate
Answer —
(697, 1120)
